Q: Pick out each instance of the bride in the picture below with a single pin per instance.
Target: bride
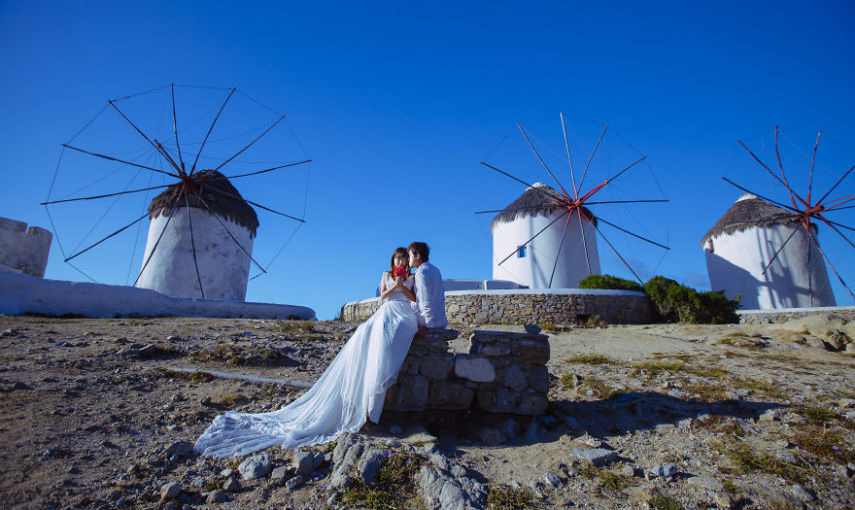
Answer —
(351, 389)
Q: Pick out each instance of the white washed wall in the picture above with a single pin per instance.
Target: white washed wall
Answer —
(223, 266)
(535, 268)
(736, 261)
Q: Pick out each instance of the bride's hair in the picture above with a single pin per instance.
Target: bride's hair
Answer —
(403, 252)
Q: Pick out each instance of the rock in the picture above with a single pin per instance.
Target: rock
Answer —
(666, 471)
(255, 466)
(812, 341)
(850, 347)
(509, 428)
(340, 478)
(458, 471)
(295, 483)
(279, 474)
(451, 497)
(436, 366)
(684, 424)
(532, 404)
(514, 378)
(451, 395)
(149, 351)
(801, 493)
(474, 368)
(430, 486)
(318, 461)
(205, 400)
(494, 350)
(490, 436)
(170, 491)
(627, 471)
(500, 401)
(538, 379)
(439, 461)
(178, 449)
(571, 422)
(770, 415)
(837, 339)
(722, 500)
(532, 328)
(553, 479)
(596, 456)
(706, 482)
(534, 351)
(442, 334)
(231, 485)
(302, 462)
(786, 456)
(217, 497)
(9, 332)
(173, 338)
(341, 446)
(532, 432)
(369, 464)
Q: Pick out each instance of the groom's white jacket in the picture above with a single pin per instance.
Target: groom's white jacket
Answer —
(430, 297)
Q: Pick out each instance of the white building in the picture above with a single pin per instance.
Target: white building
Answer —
(532, 264)
(23, 250)
(223, 266)
(741, 244)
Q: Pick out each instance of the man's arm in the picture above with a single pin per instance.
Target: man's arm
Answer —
(423, 298)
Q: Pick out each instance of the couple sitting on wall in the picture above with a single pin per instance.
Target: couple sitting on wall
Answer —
(353, 387)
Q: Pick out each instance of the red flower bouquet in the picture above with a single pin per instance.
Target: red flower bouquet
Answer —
(399, 271)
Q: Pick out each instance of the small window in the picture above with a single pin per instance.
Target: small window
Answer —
(520, 252)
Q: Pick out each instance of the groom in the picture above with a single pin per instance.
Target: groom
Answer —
(430, 295)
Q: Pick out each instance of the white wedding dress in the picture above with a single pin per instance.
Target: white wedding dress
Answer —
(351, 389)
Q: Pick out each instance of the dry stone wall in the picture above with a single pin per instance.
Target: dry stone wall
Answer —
(530, 307)
(503, 372)
(780, 316)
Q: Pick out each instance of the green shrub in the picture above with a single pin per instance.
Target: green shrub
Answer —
(606, 281)
(673, 302)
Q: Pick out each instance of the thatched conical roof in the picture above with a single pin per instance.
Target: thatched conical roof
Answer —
(749, 211)
(217, 192)
(540, 197)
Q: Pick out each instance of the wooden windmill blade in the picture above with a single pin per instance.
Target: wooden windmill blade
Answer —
(805, 210)
(212, 129)
(565, 202)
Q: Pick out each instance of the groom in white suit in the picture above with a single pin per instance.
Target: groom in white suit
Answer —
(430, 295)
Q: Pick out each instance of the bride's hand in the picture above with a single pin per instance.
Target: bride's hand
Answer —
(399, 281)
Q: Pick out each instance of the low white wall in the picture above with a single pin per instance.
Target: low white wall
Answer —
(20, 294)
(23, 250)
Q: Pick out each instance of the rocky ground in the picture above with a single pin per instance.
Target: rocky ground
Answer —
(97, 414)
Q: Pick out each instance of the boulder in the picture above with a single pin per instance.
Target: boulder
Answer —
(474, 368)
(255, 466)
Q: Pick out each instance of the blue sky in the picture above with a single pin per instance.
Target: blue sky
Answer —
(397, 105)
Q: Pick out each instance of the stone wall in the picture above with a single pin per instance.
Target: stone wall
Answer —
(503, 372)
(23, 250)
(562, 306)
(782, 315)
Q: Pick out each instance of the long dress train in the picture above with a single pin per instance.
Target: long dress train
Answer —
(351, 389)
